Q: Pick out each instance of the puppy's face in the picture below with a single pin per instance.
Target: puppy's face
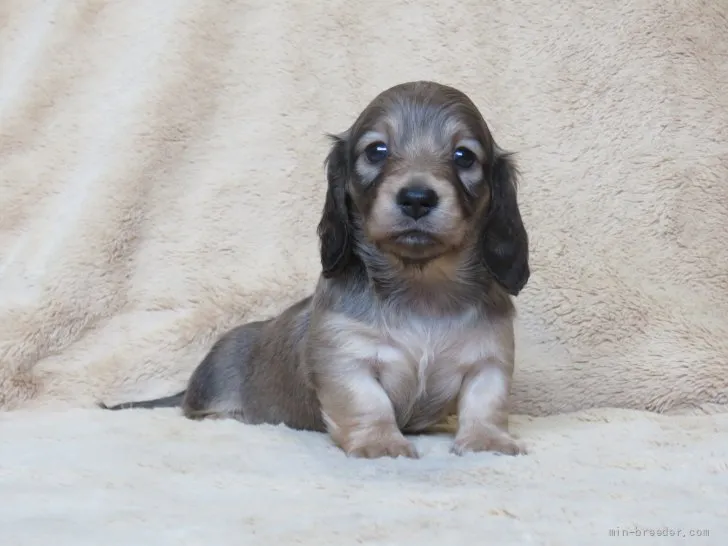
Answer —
(419, 158)
(418, 175)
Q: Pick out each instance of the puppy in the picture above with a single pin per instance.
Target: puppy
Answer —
(422, 247)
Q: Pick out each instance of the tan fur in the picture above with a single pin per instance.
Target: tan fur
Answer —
(385, 211)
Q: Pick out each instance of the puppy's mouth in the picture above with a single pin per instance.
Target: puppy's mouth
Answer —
(414, 238)
(414, 245)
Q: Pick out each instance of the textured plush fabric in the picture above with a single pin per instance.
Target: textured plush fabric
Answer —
(161, 177)
(153, 479)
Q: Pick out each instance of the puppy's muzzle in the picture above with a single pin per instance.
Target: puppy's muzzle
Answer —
(417, 201)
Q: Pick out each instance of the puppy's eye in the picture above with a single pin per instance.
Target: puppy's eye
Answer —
(463, 158)
(376, 152)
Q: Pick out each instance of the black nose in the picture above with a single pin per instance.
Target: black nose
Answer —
(417, 202)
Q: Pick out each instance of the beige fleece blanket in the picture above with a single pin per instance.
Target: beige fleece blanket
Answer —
(161, 178)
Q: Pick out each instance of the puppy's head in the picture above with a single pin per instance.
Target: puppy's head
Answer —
(419, 176)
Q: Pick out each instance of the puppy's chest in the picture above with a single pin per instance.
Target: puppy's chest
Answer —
(413, 355)
(423, 355)
(420, 345)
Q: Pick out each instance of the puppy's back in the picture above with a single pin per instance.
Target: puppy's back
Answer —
(253, 373)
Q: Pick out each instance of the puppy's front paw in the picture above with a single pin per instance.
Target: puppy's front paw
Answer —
(391, 445)
(487, 439)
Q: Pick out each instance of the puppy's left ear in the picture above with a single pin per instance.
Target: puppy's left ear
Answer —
(504, 241)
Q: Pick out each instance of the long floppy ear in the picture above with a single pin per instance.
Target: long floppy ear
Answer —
(334, 229)
(504, 241)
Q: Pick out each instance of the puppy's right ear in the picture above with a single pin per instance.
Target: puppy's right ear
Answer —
(334, 229)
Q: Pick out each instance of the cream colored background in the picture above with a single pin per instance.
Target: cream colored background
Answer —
(161, 179)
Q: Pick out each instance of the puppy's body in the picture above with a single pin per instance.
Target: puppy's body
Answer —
(411, 319)
(254, 374)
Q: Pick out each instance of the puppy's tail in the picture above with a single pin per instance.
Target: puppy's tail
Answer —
(172, 401)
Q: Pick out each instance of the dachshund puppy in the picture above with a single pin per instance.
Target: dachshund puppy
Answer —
(422, 248)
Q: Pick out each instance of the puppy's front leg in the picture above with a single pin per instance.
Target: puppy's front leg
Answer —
(483, 413)
(360, 416)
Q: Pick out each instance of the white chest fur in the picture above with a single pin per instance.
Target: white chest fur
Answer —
(419, 361)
